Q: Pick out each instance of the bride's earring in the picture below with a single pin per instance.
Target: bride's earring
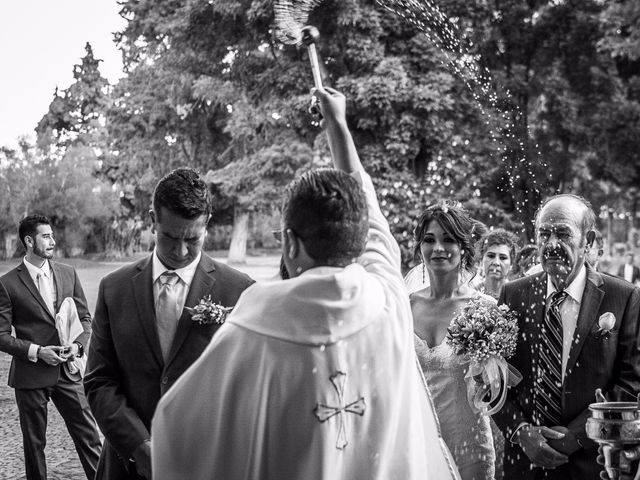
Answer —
(424, 272)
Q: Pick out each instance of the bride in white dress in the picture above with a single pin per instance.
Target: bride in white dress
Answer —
(444, 242)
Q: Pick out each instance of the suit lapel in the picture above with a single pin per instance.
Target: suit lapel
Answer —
(537, 303)
(57, 279)
(25, 277)
(589, 309)
(201, 286)
(142, 285)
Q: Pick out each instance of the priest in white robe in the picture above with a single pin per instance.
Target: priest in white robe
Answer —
(314, 377)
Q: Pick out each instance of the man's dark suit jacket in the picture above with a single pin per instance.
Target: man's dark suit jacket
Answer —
(634, 277)
(22, 306)
(126, 374)
(608, 361)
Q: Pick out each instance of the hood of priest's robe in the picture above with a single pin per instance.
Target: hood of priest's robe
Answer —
(320, 307)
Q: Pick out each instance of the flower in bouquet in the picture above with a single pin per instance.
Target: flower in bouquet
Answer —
(485, 335)
(207, 311)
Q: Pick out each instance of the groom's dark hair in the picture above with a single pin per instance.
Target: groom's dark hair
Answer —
(183, 192)
(327, 210)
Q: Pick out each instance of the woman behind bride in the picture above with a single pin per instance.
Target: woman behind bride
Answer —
(444, 243)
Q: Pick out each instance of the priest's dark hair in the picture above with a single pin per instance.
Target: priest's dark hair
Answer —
(184, 193)
(327, 210)
(28, 226)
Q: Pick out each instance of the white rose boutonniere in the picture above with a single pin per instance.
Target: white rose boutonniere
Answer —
(606, 322)
(207, 311)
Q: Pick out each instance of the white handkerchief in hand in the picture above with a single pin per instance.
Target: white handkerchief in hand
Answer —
(69, 329)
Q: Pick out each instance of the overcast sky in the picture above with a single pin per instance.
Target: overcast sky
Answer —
(40, 42)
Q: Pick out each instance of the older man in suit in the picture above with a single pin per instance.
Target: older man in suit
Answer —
(144, 334)
(30, 296)
(578, 332)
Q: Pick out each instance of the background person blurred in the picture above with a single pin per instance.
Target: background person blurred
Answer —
(497, 250)
(629, 271)
(526, 259)
(595, 250)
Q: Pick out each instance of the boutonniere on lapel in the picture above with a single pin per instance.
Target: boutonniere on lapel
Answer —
(207, 312)
(605, 323)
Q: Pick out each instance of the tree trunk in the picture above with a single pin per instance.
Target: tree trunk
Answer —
(8, 245)
(239, 235)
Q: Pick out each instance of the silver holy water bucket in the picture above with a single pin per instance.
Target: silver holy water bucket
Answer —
(615, 426)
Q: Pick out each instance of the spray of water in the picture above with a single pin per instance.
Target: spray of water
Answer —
(292, 15)
(429, 19)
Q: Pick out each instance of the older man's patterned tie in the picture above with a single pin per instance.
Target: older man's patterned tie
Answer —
(548, 393)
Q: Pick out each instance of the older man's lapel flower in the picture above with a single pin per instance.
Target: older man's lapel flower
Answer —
(207, 312)
(606, 322)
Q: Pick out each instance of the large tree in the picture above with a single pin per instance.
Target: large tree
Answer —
(492, 103)
(568, 104)
(236, 86)
(68, 192)
(73, 143)
(16, 191)
(77, 115)
(614, 135)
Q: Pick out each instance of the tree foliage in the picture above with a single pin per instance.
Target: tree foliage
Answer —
(73, 142)
(499, 105)
(77, 114)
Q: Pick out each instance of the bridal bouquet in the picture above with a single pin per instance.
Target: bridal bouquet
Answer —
(485, 335)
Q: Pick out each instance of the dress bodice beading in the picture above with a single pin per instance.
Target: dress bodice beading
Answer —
(467, 434)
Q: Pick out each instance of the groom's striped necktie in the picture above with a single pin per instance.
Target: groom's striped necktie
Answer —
(548, 393)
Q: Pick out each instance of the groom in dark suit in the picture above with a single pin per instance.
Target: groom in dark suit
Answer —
(578, 332)
(144, 336)
(30, 297)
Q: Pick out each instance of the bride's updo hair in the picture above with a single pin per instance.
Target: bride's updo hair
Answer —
(455, 220)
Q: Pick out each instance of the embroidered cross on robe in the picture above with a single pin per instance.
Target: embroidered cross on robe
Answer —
(325, 412)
